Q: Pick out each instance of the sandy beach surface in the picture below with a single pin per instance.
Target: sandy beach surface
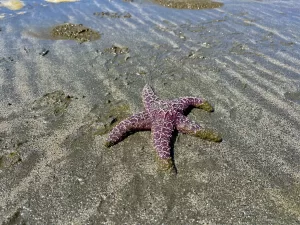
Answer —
(60, 98)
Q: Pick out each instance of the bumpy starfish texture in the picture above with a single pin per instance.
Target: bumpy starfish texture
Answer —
(162, 117)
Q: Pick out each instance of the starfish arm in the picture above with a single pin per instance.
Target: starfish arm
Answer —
(185, 102)
(162, 133)
(187, 126)
(139, 121)
(149, 97)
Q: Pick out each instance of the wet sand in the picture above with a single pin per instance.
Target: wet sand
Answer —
(191, 4)
(60, 98)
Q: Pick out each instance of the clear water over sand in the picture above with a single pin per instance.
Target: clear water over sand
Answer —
(58, 99)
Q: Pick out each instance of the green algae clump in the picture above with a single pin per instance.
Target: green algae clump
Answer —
(9, 159)
(189, 4)
(77, 32)
(110, 115)
(206, 107)
(54, 103)
(208, 135)
(165, 165)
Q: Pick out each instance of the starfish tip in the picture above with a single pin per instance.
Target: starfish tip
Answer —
(147, 86)
(108, 144)
(166, 165)
(209, 135)
(206, 106)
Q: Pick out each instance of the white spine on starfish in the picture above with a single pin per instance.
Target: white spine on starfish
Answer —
(183, 103)
(139, 121)
(149, 97)
(187, 126)
(162, 132)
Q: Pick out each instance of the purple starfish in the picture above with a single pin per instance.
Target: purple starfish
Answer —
(162, 117)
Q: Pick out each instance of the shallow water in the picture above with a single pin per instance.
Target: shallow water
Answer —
(243, 57)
